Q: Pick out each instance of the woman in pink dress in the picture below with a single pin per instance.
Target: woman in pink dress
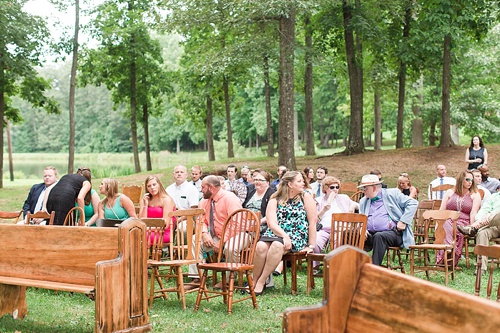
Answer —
(156, 203)
(465, 199)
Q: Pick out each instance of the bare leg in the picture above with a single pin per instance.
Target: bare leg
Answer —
(273, 257)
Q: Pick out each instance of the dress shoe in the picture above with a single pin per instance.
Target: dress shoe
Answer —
(466, 230)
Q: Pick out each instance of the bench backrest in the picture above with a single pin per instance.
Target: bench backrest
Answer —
(363, 297)
(55, 253)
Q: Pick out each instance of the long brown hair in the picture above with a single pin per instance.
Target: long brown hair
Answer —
(459, 189)
(85, 172)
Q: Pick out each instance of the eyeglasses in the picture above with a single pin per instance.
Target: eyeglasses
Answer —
(334, 187)
(362, 189)
(469, 179)
(258, 180)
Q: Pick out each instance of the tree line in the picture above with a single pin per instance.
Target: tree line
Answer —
(179, 74)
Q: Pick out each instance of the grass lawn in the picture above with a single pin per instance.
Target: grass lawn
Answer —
(63, 312)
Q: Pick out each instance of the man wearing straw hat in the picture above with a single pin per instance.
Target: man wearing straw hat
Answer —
(390, 215)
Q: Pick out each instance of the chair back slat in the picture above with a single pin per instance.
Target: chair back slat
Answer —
(155, 228)
(75, 217)
(435, 220)
(40, 215)
(348, 229)
(240, 235)
(134, 192)
(185, 233)
(13, 216)
(440, 188)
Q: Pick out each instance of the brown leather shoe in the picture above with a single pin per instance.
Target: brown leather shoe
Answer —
(466, 230)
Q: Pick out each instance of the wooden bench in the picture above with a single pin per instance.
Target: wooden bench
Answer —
(361, 297)
(108, 264)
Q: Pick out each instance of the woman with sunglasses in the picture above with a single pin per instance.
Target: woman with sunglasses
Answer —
(328, 203)
(465, 199)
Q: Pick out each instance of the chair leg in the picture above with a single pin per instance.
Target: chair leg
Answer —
(284, 271)
(251, 288)
(230, 292)
(294, 277)
(180, 286)
(310, 276)
(401, 266)
(201, 290)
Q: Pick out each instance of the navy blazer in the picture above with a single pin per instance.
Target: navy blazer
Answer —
(32, 199)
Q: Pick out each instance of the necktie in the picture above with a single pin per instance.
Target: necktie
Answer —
(318, 192)
(212, 229)
(441, 182)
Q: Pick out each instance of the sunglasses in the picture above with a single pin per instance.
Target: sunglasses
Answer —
(334, 187)
(469, 179)
(259, 180)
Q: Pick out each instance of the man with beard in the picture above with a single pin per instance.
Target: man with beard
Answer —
(218, 205)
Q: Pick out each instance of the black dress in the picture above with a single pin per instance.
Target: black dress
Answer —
(63, 195)
(473, 154)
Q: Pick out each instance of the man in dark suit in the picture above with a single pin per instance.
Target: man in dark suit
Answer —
(34, 201)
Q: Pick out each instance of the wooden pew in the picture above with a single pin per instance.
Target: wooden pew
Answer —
(361, 297)
(108, 264)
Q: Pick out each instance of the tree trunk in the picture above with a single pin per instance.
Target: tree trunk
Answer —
(9, 150)
(308, 89)
(377, 120)
(445, 109)
(133, 104)
(417, 133)
(210, 132)
(269, 118)
(402, 80)
(286, 86)
(72, 91)
(147, 148)
(133, 116)
(225, 87)
(432, 133)
(354, 66)
(2, 111)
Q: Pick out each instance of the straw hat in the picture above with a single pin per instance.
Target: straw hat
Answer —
(368, 180)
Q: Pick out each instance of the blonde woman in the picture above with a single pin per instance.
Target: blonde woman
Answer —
(291, 219)
(114, 205)
(404, 185)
